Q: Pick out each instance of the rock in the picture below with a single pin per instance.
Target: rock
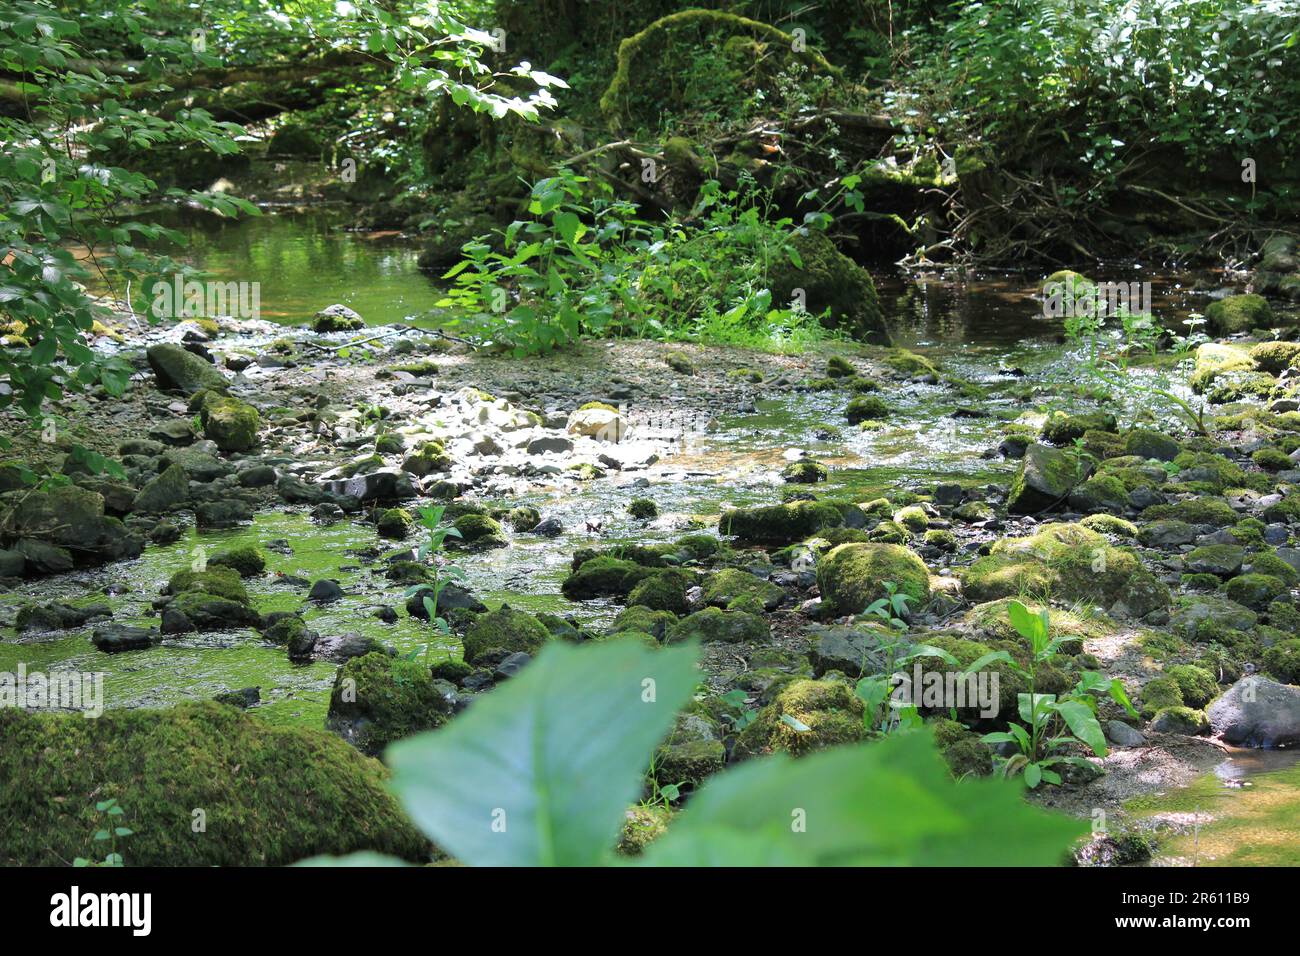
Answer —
(714, 624)
(780, 524)
(828, 279)
(243, 698)
(167, 491)
(731, 584)
(113, 638)
(42, 558)
(1225, 560)
(295, 491)
(1166, 533)
(453, 597)
(1238, 313)
(847, 650)
(850, 576)
(385, 486)
(223, 514)
(281, 794)
(198, 463)
(179, 370)
(549, 527)
(57, 616)
(177, 432)
(1257, 712)
(478, 533)
(504, 629)
(339, 648)
(549, 445)
(336, 318)
(70, 518)
(511, 665)
(12, 564)
(259, 476)
(232, 424)
(1046, 477)
(325, 591)
(821, 714)
(1124, 735)
(949, 494)
(1149, 443)
(600, 423)
(1180, 720)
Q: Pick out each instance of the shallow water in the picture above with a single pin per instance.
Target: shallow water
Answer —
(1244, 813)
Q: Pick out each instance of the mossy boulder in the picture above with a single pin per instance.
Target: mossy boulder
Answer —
(604, 576)
(1066, 561)
(378, 699)
(1149, 443)
(642, 509)
(866, 408)
(395, 523)
(1187, 721)
(429, 458)
(804, 472)
(643, 620)
(1255, 591)
(477, 533)
(688, 764)
(246, 560)
(220, 580)
(504, 629)
(729, 585)
(1238, 313)
(780, 524)
(177, 369)
(1282, 660)
(270, 795)
(963, 751)
(1197, 685)
(168, 490)
(664, 590)
(1194, 511)
(1062, 429)
(828, 280)
(233, 425)
(1275, 357)
(851, 576)
(804, 716)
(1158, 694)
(714, 624)
(1046, 477)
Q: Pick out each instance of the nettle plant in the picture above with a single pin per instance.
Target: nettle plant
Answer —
(542, 770)
(1052, 724)
(109, 832)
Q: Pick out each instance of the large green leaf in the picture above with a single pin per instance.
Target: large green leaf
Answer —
(540, 771)
(887, 803)
(1083, 722)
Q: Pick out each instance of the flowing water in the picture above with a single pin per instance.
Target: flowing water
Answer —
(988, 331)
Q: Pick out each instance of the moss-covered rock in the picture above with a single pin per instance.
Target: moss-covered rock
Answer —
(220, 580)
(963, 751)
(664, 590)
(1255, 591)
(395, 523)
(829, 280)
(643, 509)
(688, 764)
(1197, 685)
(232, 424)
(1275, 357)
(246, 560)
(851, 576)
(1181, 720)
(504, 629)
(429, 458)
(1045, 479)
(180, 370)
(477, 533)
(729, 585)
(866, 408)
(604, 576)
(714, 624)
(378, 699)
(1238, 313)
(270, 795)
(1194, 511)
(1282, 660)
(1062, 429)
(643, 620)
(1159, 693)
(805, 472)
(780, 524)
(1149, 443)
(820, 714)
(1066, 561)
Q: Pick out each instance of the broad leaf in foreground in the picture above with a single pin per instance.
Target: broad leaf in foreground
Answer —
(540, 771)
(891, 803)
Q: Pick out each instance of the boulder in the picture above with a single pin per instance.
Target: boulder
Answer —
(180, 370)
(851, 576)
(113, 638)
(1046, 477)
(1257, 712)
(167, 491)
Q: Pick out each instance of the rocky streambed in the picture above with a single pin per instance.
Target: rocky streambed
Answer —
(259, 548)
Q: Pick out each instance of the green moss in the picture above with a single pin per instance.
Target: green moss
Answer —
(378, 699)
(389, 444)
(602, 576)
(1063, 429)
(523, 519)
(643, 620)
(780, 524)
(394, 523)
(829, 710)
(246, 560)
(430, 457)
(1197, 685)
(913, 518)
(1111, 525)
(1272, 459)
(866, 408)
(1275, 357)
(829, 280)
(1255, 591)
(1282, 660)
(716, 625)
(698, 546)
(1159, 693)
(478, 533)
(643, 509)
(689, 763)
(232, 424)
(727, 586)
(805, 472)
(1210, 511)
(270, 795)
(1238, 313)
(664, 591)
(850, 576)
(505, 629)
(963, 751)
(837, 366)
(220, 581)
(910, 363)
(1181, 720)
(1267, 562)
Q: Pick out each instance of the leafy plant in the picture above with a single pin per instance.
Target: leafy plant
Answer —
(1052, 724)
(541, 770)
(110, 832)
(430, 551)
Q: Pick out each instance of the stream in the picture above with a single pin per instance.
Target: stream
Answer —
(987, 330)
